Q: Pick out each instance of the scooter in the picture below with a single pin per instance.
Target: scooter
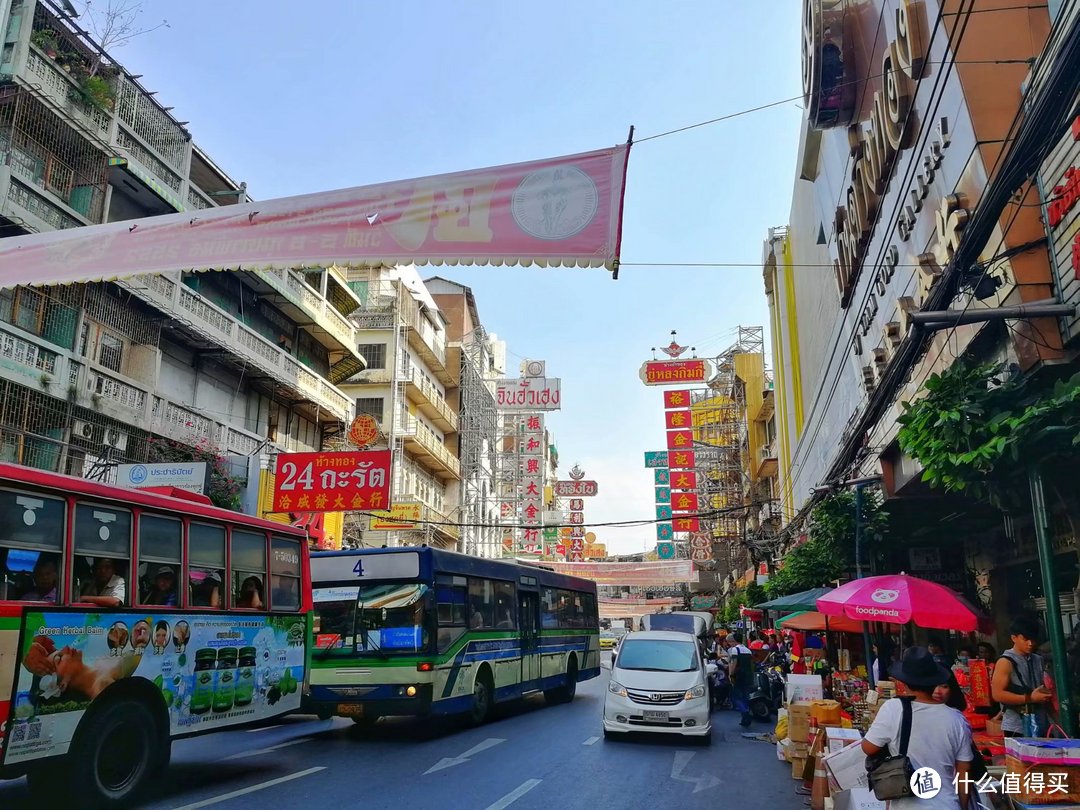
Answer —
(768, 693)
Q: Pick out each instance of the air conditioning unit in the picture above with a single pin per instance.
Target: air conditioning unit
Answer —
(116, 439)
(85, 430)
(533, 368)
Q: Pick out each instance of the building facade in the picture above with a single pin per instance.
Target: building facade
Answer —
(230, 367)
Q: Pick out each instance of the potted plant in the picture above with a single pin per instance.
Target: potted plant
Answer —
(97, 90)
(46, 41)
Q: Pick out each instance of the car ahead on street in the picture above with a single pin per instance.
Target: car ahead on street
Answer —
(607, 640)
(659, 683)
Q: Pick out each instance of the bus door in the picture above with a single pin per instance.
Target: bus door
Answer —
(529, 633)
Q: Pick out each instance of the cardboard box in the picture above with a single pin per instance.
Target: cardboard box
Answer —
(856, 799)
(799, 722)
(804, 688)
(837, 738)
(798, 765)
(846, 768)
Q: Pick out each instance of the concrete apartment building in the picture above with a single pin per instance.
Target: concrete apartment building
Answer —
(240, 365)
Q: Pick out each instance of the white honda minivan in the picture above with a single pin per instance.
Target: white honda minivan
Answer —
(659, 683)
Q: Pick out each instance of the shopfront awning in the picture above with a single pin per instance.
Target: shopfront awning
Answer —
(558, 212)
(804, 600)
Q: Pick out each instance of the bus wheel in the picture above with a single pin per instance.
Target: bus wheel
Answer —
(115, 749)
(566, 692)
(482, 698)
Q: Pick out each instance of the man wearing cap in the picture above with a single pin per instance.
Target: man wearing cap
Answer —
(163, 591)
(940, 737)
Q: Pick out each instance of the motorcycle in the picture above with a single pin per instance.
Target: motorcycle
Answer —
(768, 693)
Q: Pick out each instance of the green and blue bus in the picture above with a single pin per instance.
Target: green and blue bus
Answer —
(422, 631)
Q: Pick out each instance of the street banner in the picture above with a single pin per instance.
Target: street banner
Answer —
(676, 399)
(679, 439)
(678, 419)
(662, 573)
(528, 394)
(683, 479)
(400, 516)
(332, 482)
(662, 476)
(675, 372)
(656, 458)
(564, 212)
(681, 460)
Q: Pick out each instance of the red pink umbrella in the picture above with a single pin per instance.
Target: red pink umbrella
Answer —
(899, 599)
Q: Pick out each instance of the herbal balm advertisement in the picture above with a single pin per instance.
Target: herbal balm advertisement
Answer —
(212, 671)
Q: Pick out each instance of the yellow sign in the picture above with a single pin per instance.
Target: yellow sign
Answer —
(398, 516)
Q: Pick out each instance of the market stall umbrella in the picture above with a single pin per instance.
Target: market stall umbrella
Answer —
(806, 600)
(812, 621)
(899, 599)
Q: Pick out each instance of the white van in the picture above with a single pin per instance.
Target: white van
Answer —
(659, 683)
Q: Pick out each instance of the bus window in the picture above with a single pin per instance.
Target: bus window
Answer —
(505, 606)
(285, 573)
(102, 554)
(206, 565)
(592, 617)
(549, 616)
(451, 598)
(570, 612)
(481, 603)
(160, 540)
(249, 570)
(31, 538)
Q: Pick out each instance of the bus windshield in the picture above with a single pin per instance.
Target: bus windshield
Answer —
(381, 619)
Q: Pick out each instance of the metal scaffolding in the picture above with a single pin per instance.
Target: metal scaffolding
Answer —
(478, 432)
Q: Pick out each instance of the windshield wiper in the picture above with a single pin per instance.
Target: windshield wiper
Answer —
(324, 653)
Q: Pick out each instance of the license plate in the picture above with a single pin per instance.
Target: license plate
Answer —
(350, 709)
(661, 716)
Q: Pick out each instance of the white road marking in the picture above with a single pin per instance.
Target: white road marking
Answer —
(262, 728)
(256, 752)
(450, 762)
(703, 782)
(591, 741)
(244, 791)
(514, 795)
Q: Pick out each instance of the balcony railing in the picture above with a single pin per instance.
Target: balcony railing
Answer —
(38, 205)
(196, 200)
(61, 90)
(321, 311)
(435, 400)
(37, 165)
(411, 427)
(430, 338)
(236, 338)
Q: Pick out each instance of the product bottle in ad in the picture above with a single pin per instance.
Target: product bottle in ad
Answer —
(245, 680)
(225, 688)
(202, 696)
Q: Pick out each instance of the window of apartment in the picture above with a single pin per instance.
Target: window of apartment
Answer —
(110, 351)
(374, 353)
(371, 406)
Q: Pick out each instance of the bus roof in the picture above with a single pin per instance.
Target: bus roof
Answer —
(452, 562)
(82, 487)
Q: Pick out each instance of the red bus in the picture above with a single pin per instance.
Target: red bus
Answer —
(129, 618)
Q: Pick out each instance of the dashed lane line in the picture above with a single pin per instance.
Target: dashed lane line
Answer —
(514, 794)
(258, 751)
(591, 741)
(244, 791)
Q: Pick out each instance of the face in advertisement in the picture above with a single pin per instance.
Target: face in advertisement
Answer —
(140, 634)
(118, 637)
(161, 637)
(181, 634)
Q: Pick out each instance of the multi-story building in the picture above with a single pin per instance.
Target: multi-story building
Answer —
(411, 387)
(923, 128)
(229, 365)
(476, 357)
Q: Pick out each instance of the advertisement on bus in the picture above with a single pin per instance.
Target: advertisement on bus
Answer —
(212, 670)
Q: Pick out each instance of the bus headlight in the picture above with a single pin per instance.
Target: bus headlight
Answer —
(411, 691)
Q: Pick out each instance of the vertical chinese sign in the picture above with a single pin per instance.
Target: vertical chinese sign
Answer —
(531, 488)
(576, 489)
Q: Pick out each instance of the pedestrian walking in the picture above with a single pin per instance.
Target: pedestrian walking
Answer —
(741, 673)
(1018, 683)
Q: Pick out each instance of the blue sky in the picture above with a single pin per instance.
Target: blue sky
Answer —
(294, 98)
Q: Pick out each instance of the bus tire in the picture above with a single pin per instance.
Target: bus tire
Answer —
(116, 748)
(483, 697)
(566, 692)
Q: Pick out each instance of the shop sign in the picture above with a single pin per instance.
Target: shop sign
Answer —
(663, 511)
(664, 531)
(663, 495)
(676, 399)
(1060, 176)
(331, 482)
(700, 540)
(683, 479)
(656, 458)
(528, 394)
(678, 439)
(578, 489)
(681, 460)
(577, 504)
(685, 501)
(686, 524)
(700, 555)
(665, 551)
(674, 372)
(662, 477)
(677, 419)
(179, 475)
(400, 516)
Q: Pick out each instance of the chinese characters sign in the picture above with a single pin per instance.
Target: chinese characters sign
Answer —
(399, 517)
(676, 399)
(331, 482)
(674, 372)
(564, 211)
(528, 394)
(678, 439)
(681, 460)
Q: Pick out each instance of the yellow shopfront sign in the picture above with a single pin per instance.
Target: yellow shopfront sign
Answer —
(398, 517)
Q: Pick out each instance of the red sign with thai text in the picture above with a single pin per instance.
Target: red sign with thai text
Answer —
(676, 399)
(683, 479)
(681, 460)
(332, 482)
(678, 419)
(674, 372)
(575, 489)
(686, 524)
(678, 439)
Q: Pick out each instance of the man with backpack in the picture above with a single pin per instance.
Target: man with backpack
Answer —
(741, 672)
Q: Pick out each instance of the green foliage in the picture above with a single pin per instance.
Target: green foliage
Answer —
(969, 436)
(45, 39)
(830, 552)
(223, 490)
(97, 90)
